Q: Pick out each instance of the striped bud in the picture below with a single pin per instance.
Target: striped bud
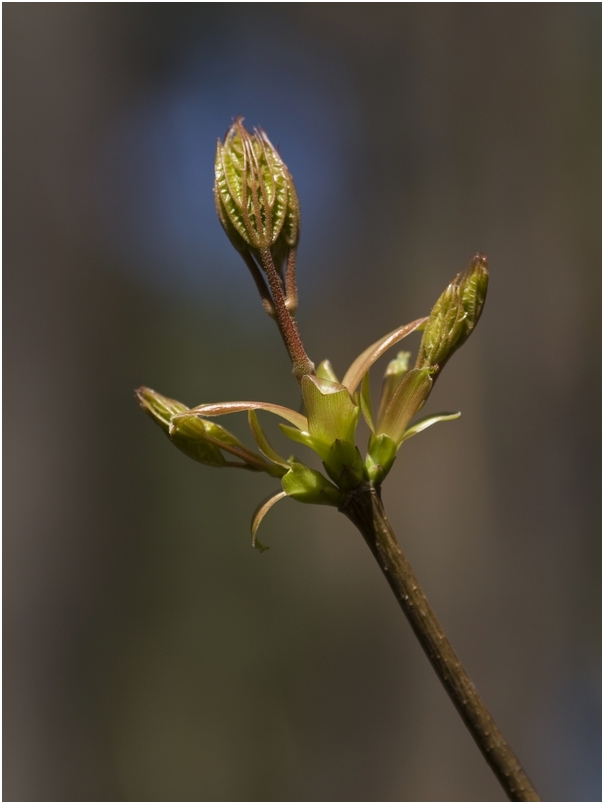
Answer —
(455, 315)
(255, 196)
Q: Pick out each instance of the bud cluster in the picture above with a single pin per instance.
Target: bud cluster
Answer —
(258, 208)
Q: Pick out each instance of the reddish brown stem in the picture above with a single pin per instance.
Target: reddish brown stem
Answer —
(291, 289)
(267, 302)
(287, 326)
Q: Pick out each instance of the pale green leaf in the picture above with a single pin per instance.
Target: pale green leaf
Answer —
(309, 486)
(332, 413)
(344, 465)
(392, 377)
(262, 441)
(427, 422)
(196, 437)
(380, 457)
(405, 401)
(300, 436)
(325, 372)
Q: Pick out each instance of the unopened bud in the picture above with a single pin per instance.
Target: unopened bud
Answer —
(309, 486)
(455, 314)
(256, 199)
(161, 409)
(474, 282)
(190, 435)
(201, 439)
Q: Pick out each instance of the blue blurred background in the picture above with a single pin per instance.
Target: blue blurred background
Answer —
(149, 652)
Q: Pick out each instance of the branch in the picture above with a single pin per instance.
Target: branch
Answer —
(364, 508)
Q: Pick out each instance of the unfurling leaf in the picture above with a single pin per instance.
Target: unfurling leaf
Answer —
(325, 372)
(405, 401)
(200, 439)
(259, 516)
(309, 486)
(191, 438)
(361, 365)
(427, 422)
(220, 409)
(380, 457)
(344, 465)
(332, 413)
(262, 441)
(392, 377)
(161, 409)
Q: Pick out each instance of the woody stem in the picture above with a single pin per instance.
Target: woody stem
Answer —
(364, 508)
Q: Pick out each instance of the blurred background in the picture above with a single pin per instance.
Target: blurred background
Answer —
(149, 652)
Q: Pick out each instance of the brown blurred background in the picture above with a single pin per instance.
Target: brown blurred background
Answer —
(150, 653)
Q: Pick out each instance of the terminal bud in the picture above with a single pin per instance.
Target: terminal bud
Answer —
(455, 315)
(255, 196)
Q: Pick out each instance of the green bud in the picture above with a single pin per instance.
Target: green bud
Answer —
(455, 315)
(344, 465)
(309, 486)
(380, 457)
(474, 282)
(189, 436)
(332, 419)
(443, 329)
(200, 439)
(161, 409)
(397, 367)
(255, 196)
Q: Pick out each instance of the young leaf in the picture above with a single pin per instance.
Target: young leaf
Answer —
(192, 438)
(263, 443)
(300, 436)
(197, 437)
(219, 409)
(325, 372)
(259, 515)
(455, 314)
(380, 457)
(332, 413)
(366, 359)
(161, 409)
(309, 486)
(427, 422)
(392, 377)
(406, 400)
(344, 465)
